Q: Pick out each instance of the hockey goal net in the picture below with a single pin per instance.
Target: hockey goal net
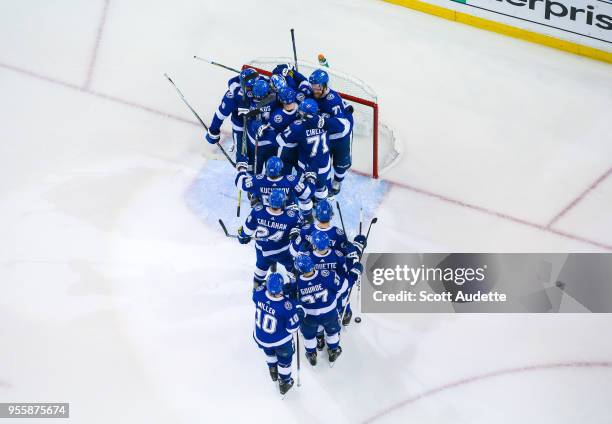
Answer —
(375, 147)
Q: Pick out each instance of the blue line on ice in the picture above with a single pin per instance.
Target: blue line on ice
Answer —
(212, 195)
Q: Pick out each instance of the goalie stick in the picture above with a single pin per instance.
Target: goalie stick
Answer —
(199, 119)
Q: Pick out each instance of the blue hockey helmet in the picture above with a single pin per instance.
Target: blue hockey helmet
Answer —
(320, 240)
(276, 200)
(319, 76)
(246, 73)
(308, 108)
(304, 264)
(277, 82)
(261, 88)
(275, 282)
(274, 166)
(287, 95)
(323, 211)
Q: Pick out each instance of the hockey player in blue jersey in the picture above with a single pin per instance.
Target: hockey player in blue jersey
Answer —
(261, 90)
(331, 104)
(317, 292)
(335, 240)
(260, 137)
(233, 100)
(323, 213)
(298, 187)
(234, 84)
(271, 226)
(308, 135)
(283, 116)
(294, 80)
(257, 129)
(324, 257)
(277, 318)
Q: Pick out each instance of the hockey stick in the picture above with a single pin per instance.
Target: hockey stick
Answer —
(360, 219)
(358, 318)
(212, 62)
(340, 213)
(372, 222)
(199, 119)
(225, 229)
(228, 235)
(297, 337)
(348, 298)
(265, 102)
(294, 51)
(243, 148)
(256, 149)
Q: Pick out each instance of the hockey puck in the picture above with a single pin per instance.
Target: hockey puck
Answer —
(357, 320)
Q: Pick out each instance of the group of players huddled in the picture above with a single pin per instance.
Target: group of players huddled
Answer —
(292, 159)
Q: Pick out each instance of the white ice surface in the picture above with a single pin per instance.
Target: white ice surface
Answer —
(117, 298)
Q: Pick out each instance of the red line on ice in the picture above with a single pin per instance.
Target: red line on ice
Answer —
(482, 377)
(501, 215)
(580, 197)
(94, 54)
(97, 94)
(393, 183)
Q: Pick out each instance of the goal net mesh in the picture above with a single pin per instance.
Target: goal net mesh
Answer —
(375, 147)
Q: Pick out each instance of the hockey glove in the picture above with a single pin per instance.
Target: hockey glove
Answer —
(288, 71)
(243, 111)
(300, 311)
(349, 109)
(294, 233)
(242, 237)
(311, 177)
(290, 290)
(253, 199)
(262, 129)
(242, 166)
(213, 137)
(360, 242)
(357, 269)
